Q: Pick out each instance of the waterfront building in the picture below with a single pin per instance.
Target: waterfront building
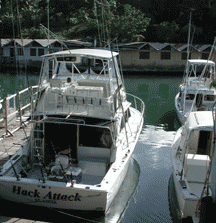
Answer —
(135, 56)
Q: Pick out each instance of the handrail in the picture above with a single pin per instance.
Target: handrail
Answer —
(141, 106)
(13, 108)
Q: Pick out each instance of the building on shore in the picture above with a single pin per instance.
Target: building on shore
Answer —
(28, 52)
(148, 56)
(136, 56)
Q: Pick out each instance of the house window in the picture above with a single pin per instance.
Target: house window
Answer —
(144, 55)
(185, 55)
(205, 56)
(165, 55)
(12, 52)
(40, 52)
(32, 52)
(209, 97)
(20, 52)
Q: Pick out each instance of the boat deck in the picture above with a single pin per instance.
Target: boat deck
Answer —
(85, 178)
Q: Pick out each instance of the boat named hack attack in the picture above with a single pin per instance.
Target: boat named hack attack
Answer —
(84, 128)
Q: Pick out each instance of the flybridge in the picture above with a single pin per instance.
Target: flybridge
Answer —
(95, 53)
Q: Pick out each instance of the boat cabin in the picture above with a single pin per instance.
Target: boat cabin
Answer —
(79, 112)
(84, 81)
(203, 98)
(198, 68)
(199, 136)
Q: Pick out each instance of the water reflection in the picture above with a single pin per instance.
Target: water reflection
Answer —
(158, 93)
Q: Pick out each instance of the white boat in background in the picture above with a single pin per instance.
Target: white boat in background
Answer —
(197, 93)
(83, 133)
(194, 167)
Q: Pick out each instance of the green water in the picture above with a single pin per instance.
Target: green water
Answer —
(158, 92)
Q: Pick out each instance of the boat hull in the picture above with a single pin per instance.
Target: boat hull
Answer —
(61, 195)
(178, 108)
(46, 194)
(187, 205)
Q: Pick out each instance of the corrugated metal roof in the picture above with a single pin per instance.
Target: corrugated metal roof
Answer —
(125, 46)
(4, 41)
(183, 47)
(202, 48)
(42, 42)
(19, 42)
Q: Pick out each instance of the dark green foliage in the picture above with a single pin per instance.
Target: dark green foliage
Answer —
(127, 20)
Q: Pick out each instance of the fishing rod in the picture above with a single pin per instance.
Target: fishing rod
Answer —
(41, 165)
(62, 168)
(16, 174)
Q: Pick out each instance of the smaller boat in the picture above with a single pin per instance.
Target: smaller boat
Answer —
(194, 166)
(197, 92)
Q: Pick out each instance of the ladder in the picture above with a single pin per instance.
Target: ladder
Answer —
(38, 142)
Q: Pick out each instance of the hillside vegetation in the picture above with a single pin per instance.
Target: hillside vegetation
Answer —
(124, 20)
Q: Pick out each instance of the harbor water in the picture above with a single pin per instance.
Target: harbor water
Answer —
(144, 194)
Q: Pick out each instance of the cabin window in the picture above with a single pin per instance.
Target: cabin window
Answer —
(204, 142)
(184, 56)
(40, 52)
(94, 137)
(144, 55)
(209, 98)
(200, 142)
(165, 55)
(32, 52)
(189, 96)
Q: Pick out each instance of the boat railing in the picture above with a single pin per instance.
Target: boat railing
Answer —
(136, 102)
(214, 117)
(16, 109)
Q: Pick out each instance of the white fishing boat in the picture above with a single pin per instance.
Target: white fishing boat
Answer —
(194, 167)
(197, 92)
(84, 130)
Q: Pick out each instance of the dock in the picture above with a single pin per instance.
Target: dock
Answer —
(10, 143)
(15, 116)
(14, 132)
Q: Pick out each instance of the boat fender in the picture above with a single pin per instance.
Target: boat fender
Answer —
(205, 209)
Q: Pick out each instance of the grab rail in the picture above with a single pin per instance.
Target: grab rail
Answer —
(136, 102)
(14, 107)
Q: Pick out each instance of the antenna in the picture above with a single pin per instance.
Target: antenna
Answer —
(48, 22)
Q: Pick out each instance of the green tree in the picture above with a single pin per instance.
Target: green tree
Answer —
(123, 22)
(166, 31)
